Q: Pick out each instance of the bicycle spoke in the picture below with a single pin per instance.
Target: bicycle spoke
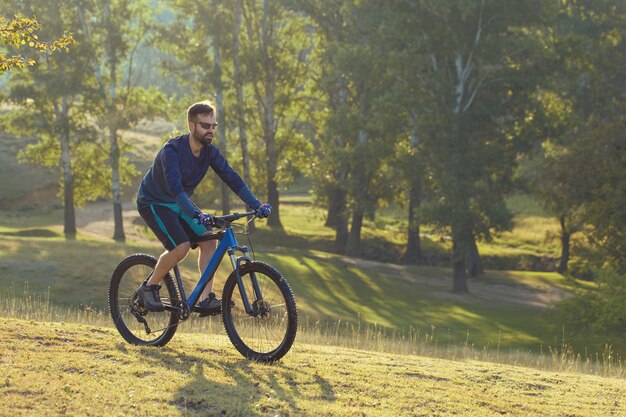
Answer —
(131, 320)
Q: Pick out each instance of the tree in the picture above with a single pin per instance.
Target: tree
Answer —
(477, 55)
(330, 168)
(579, 114)
(354, 140)
(112, 31)
(274, 56)
(49, 105)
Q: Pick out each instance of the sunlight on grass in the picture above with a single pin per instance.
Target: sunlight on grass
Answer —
(430, 342)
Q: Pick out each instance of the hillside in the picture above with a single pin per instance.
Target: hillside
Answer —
(505, 309)
(61, 368)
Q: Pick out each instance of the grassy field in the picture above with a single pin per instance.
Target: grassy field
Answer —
(504, 308)
(80, 370)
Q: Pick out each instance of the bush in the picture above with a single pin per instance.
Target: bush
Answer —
(602, 309)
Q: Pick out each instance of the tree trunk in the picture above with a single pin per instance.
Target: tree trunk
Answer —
(413, 252)
(459, 279)
(239, 112)
(69, 223)
(273, 200)
(336, 204)
(360, 184)
(118, 234)
(353, 247)
(219, 92)
(460, 229)
(269, 127)
(272, 185)
(565, 246)
(341, 231)
(472, 257)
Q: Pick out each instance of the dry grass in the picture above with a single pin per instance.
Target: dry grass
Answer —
(61, 368)
(358, 336)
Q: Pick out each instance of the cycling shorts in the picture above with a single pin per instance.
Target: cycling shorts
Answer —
(170, 225)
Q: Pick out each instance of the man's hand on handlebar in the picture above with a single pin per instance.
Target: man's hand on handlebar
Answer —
(205, 220)
(263, 211)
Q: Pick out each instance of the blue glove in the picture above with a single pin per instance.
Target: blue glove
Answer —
(204, 219)
(263, 211)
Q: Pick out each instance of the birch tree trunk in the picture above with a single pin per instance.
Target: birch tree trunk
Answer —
(239, 113)
(118, 234)
(269, 125)
(459, 224)
(221, 118)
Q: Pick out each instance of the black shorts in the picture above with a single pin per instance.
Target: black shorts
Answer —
(170, 225)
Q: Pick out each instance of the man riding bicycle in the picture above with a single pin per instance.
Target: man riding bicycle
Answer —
(164, 202)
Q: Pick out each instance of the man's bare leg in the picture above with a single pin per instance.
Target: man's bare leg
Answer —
(167, 261)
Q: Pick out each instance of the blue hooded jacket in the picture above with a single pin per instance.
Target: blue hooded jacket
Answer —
(176, 172)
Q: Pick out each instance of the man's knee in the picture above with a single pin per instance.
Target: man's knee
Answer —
(180, 251)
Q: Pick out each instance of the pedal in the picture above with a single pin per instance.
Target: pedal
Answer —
(214, 312)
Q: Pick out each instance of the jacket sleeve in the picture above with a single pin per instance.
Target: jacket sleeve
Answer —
(233, 180)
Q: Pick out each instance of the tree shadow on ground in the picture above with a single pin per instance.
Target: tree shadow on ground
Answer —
(220, 384)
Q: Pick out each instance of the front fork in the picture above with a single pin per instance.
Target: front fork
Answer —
(237, 263)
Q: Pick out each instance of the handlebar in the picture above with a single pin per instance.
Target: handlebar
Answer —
(227, 219)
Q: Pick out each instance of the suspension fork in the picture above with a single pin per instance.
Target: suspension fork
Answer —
(237, 263)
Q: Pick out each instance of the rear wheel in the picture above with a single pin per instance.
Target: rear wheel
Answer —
(135, 323)
(269, 331)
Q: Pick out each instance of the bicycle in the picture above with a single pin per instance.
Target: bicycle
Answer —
(258, 307)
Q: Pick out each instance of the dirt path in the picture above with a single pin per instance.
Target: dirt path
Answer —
(96, 219)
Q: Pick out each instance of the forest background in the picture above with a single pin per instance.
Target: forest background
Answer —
(431, 119)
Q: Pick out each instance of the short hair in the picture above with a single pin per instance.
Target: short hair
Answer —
(203, 107)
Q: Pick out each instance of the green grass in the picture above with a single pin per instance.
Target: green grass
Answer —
(328, 288)
(70, 369)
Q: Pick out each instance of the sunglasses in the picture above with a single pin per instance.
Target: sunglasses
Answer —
(207, 126)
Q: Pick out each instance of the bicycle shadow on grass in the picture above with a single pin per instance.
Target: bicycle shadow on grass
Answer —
(221, 383)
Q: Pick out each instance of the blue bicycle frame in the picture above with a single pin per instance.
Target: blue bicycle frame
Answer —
(228, 244)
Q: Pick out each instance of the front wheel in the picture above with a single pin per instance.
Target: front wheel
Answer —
(267, 333)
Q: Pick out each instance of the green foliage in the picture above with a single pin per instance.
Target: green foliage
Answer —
(579, 172)
(22, 32)
(48, 104)
(601, 310)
